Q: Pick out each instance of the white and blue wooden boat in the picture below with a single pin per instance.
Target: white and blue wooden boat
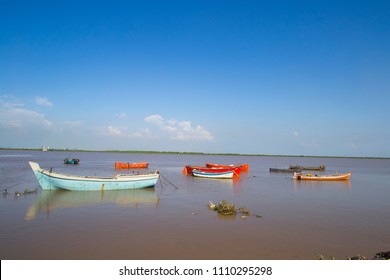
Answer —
(214, 174)
(50, 180)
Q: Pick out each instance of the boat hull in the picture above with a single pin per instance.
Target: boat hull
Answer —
(281, 170)
(312, 168)
(310, 177)
(125, 165)
(71, 161)
(188, 169)
(243, 167)
(213, 175)
(56, 181)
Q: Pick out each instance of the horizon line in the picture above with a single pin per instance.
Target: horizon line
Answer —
(188, 153)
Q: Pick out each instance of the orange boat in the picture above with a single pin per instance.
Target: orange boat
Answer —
(243, 167)
(124, 165)
(315, 177)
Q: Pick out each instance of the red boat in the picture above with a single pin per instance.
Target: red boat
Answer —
(125, 165)
(244, 167)
(189, 168)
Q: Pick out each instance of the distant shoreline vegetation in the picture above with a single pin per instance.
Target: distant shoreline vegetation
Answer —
(184, 153)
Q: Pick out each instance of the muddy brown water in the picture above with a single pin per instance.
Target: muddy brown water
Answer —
(172, 221)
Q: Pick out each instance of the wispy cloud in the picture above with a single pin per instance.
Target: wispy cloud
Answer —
(112, 130)
(17, 117)
(43, 101)
(75, 123)
(123, 131)
(180, 130)
(9, 101)
(142, 133)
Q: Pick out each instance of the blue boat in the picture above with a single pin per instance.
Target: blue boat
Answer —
(71, 161)
(50, 180)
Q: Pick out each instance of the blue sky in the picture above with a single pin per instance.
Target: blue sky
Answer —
(251, 77)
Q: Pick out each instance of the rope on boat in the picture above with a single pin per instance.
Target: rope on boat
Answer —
(176, 187)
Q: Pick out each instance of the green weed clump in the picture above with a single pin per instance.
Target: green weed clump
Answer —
(226, 208)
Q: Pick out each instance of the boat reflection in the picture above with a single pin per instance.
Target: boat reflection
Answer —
(322, 184)
(48, 200)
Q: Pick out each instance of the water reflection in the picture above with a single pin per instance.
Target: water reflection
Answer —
(226, 217)
(49, 200)
(322, 184)
(229, 183)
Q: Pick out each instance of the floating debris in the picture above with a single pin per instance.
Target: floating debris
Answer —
(358, 257)
(226, 208)
(243, 210)
(378, 256)
(382, 256)
(212, 205)
(26, 192)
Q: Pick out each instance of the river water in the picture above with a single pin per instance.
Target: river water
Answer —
(290, 220)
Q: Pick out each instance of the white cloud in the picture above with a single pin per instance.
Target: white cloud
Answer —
(22, 118)
(296, 134)
(179, 130)
(13, 115)
(123, 131)
(43, 101)
(115, 130)
(143, 133)
(8, 101)
(155, 119)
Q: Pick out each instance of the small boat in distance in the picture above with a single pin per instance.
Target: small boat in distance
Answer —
(315, 177)
(285, 170)
(243, 167)
(50, 180)
(125, 165)
(213, 175)
(297, 168)
(314, 168)
(71, 161)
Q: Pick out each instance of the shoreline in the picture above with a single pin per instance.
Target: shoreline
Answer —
(184, 153)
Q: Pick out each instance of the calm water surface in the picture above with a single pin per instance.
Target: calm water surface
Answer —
(172, 220)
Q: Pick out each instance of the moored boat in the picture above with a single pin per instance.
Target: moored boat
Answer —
(71, 161)
(188, 169)
(134, 165)
(213, 175)
(313, 168)
(284, 170)
(315, 177)
(243, 167)
(50, 180)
